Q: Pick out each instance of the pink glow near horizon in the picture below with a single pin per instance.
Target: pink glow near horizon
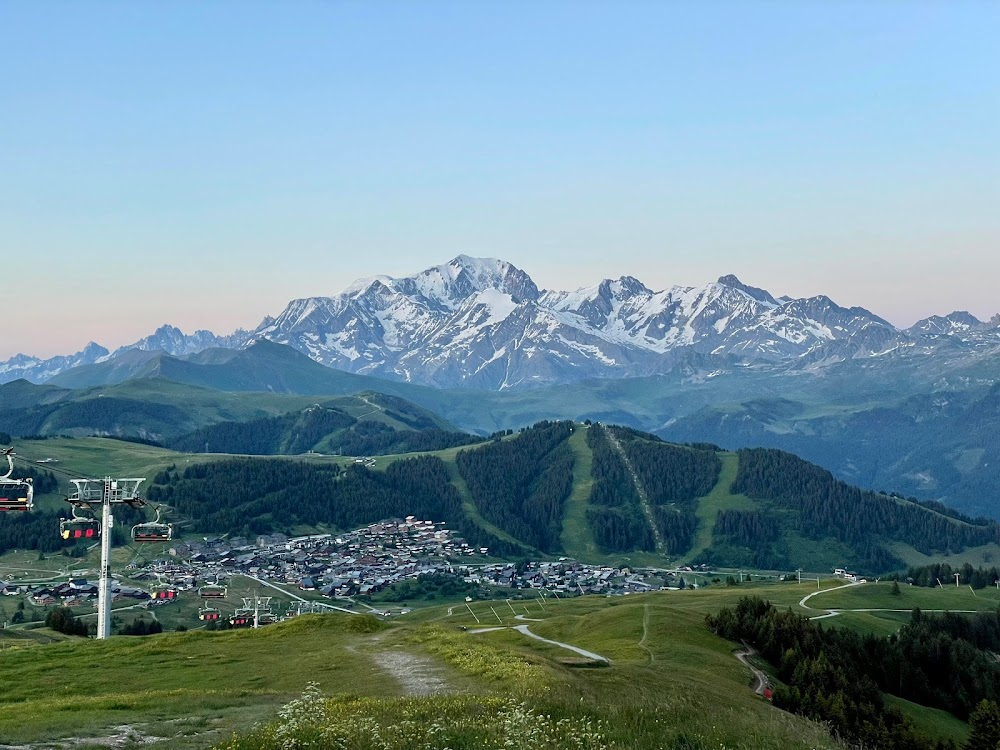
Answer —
(900, 296)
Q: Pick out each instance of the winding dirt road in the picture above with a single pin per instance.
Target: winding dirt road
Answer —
(760, 681)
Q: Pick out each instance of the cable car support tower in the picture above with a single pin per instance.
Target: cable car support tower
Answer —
(105, 493)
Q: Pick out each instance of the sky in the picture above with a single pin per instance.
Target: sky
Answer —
(203, 163)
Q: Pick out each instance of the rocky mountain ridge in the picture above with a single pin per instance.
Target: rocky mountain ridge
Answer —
(484, 323)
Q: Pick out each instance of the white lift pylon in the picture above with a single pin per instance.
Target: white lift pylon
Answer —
(91, 493)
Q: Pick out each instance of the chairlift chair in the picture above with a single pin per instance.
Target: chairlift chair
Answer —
(15, 494)
(153, 531)
(79, 527)
(163, 593)
(213, 591)
(209, 614)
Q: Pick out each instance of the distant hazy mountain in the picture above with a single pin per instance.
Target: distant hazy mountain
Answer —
(483, 323)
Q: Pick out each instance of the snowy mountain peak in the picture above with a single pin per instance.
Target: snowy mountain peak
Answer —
(761, 295)
(464, 276)
(482, 322)
(960, 321)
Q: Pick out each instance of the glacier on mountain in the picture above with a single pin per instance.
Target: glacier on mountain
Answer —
(484, 323)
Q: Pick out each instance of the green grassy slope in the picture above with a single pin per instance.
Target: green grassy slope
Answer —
(879, 596)
(577, 538)
(671, 682)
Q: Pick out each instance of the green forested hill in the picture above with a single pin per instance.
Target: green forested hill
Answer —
(592, 492)
(389, 425)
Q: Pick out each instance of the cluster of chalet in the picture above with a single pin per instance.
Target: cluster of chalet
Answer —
(78, 591)
(358, 562)
(568, 577)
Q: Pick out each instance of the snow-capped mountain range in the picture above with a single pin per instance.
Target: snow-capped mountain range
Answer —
(484, 323)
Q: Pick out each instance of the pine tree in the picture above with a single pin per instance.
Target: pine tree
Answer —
(984, 724)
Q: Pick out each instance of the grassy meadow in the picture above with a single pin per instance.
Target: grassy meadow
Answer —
(670, 682)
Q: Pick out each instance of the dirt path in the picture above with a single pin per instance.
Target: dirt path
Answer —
(835, 612)
(647, 506)
(760, 681)
(126, 735)
(645, 634)
(418, 675)
(575, 649)
(525, 630)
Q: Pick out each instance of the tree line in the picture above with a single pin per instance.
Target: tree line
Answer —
(674, 477)
(828, 507)
(330, 429)
(521, 484)
(838, 676)
(938, 573)
(615, 517)
(747, 538)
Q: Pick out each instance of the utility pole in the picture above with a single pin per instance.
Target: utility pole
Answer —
(106, 493)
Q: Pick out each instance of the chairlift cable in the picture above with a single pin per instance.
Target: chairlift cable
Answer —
(49, 467)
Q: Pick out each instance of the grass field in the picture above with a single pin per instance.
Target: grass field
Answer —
(576, 534)
(986, 555)
(879, 596)
(671, 683)
(932, 721)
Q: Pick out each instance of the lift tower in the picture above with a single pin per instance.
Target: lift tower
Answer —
(105, 493)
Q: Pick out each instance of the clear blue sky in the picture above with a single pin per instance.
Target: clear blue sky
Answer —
(201, 163)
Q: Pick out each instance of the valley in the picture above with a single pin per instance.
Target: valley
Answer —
(420, 622)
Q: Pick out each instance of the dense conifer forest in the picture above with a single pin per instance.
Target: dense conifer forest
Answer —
(836, 675)
(615, 516)
(521, 484)
(828, 508)
(674, 477)
(329, 429)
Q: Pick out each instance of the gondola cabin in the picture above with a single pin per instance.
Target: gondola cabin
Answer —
(16, 495)
(209, 614)
(151, 533)
(80, 528)
(163, 594)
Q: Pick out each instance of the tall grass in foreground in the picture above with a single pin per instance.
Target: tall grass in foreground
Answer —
(478, 722)
(438, 723)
